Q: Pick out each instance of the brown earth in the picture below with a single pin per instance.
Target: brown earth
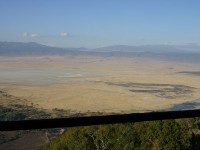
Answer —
(101, 84)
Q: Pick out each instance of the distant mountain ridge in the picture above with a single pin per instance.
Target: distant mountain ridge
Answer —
(190, 52)
(152, 48)
(23, 49)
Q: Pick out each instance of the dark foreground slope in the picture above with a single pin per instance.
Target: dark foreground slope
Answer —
(169, 134)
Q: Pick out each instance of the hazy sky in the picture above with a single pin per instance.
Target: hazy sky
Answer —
(95, 23)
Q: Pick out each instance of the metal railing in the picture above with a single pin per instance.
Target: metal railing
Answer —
(95, 120)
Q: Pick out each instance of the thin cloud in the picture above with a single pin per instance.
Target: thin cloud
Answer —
(64, 34)
(25, 34)
(34, 35)
(37, 35)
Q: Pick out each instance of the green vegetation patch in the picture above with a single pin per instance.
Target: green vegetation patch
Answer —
(169, 91)
(168, 134)
(195, 73)
(21, 112)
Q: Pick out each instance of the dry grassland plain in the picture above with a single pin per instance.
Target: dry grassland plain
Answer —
(99, 84)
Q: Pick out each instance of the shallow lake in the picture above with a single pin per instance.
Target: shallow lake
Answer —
(186, 106)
